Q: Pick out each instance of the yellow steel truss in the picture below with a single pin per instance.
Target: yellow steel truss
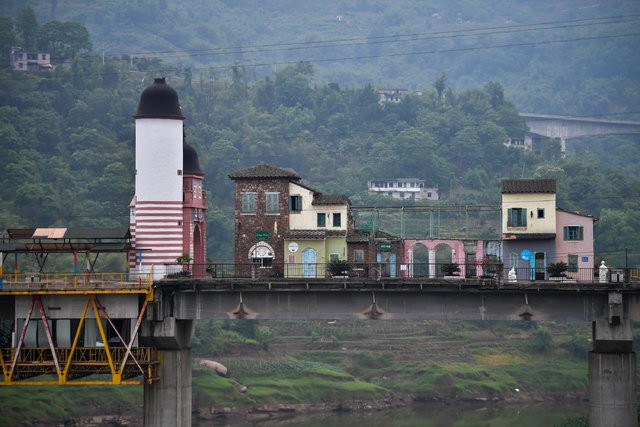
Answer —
(93, 365)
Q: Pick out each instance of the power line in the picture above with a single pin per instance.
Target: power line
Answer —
(396, 38)
(399, 38)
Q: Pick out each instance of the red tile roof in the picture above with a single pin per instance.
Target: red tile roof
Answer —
(265, 171)
(510, 186)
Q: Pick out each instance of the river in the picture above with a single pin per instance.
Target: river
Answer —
(431, 415)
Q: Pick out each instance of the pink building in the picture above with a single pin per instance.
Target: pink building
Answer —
(574, 240)
(424, 258)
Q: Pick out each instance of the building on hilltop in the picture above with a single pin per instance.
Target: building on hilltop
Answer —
(535, 232)
(403, 188)
(167, 212)
(29, 61)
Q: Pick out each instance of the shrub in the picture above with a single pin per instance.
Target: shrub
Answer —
(450, 269)
(557, 269)
(338, 267)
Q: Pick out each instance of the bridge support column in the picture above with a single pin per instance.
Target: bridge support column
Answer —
(167, 401)
(612, 375)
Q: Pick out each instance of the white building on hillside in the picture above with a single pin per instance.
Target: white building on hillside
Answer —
(29, 61)
(403, 188)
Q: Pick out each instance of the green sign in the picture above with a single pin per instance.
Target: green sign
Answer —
(261, 235)
(385, 246)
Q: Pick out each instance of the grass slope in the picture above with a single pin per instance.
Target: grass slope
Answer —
(334, 363)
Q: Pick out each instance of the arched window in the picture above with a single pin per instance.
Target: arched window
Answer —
(262, 253)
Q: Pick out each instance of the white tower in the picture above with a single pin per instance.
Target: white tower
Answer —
(157, 207)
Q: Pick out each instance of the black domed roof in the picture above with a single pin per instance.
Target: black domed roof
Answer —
(159, 101)
(191, 165)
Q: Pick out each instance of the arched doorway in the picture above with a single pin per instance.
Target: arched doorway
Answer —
(444, 255)
(420, 263)
(198, 252)
(309, 262)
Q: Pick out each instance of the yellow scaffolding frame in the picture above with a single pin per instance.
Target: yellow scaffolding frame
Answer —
(61, 366)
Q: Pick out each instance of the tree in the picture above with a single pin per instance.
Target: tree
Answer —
(27, 27)
(557, 269)
(440, 85)
(63, 40)
(292, 86)
(496, 93)
(7, 35)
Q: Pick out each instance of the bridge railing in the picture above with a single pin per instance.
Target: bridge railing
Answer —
(13, 281)
(388, 271)
(374, 270)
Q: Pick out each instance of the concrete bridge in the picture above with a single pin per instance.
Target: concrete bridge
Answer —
(610, 308)
(155, 342)
(567, 127)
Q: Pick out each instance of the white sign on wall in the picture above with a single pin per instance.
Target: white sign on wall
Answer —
(293, 247)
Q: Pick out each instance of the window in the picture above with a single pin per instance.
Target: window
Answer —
(513, 260)
(516, 217)
(358, 256)
(248, 203)
(337, 220)
(573, 264)
(272, 203)
(334, 257)
(295, 203)
(540, 213)
(262, 255)
(573, 232)
(322, 220)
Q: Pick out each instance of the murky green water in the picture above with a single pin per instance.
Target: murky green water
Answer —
(430, 415)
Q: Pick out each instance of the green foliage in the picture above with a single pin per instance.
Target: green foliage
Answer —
(539, 341)
(63, 40)
(66, 137)
(338, 267)
(450, 269)
(557, 269)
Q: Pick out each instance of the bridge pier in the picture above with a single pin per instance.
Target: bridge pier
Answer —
(167, 400)
(612, 375)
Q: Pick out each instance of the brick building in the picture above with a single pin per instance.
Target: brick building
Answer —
(286, 226)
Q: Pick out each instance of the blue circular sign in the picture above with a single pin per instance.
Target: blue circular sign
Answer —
(525, 255)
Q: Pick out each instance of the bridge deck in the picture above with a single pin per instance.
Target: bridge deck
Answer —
(414, 299)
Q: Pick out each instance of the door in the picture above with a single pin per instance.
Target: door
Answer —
(387, 264)
(540, 266)
(392, 265)
(309, 262)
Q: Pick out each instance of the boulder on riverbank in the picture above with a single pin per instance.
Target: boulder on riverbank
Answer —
(216, 366)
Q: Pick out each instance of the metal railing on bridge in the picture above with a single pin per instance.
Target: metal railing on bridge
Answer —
(12, 281)
(378, 271)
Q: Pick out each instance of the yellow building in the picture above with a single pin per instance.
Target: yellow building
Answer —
(317, 235)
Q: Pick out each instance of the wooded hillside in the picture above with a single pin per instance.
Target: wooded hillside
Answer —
(66, 138)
